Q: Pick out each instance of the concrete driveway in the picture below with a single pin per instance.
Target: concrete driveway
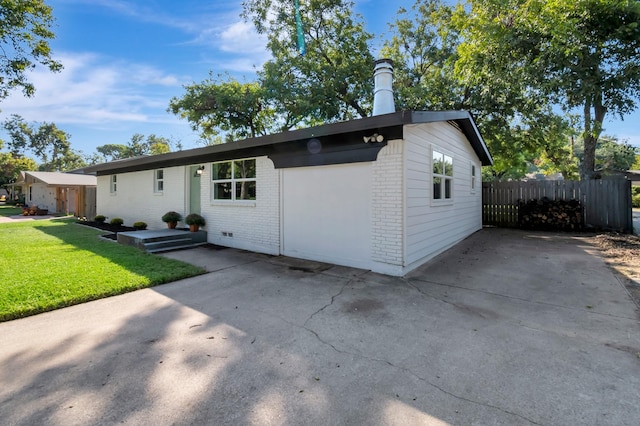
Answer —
(507, 328)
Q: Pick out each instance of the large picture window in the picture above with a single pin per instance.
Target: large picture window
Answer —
(234, 180)
(442, 176)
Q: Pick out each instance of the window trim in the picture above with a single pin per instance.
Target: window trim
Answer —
(442, 201)
(233, 181)
(474, 178)
(157, 180)
(113, 184)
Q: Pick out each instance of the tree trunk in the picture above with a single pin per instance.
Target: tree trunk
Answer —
(592, 130)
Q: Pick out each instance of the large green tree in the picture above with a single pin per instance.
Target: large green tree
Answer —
(136, 147)
(45, 140)
(11, 166)
(332, 80)
(25, 31)
(580, 54)
(518, 124)
(224, 105)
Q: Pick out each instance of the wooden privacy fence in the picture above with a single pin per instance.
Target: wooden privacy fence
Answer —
(606, 203)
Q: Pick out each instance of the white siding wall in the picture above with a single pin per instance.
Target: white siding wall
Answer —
(430, 228)
(387, 210)
(135, 199)
(255, 225)
(42, 196)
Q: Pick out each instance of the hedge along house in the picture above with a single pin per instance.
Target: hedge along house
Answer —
(57, 192)
(385, 193)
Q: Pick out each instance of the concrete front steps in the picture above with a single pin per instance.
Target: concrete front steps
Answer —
(155, 241)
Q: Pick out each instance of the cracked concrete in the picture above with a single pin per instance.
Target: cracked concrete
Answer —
(508, 327)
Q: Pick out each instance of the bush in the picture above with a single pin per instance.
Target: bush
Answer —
(171, 217)
(99, 218)
(140, 226)
(635, 200)
(195, 219)
(116, 221)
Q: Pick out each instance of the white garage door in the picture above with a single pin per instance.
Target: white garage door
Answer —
(326, 214)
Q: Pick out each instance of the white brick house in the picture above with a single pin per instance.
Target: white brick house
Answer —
(385, 193)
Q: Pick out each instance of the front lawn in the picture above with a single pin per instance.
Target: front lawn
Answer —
(6, 210)
(45, 265)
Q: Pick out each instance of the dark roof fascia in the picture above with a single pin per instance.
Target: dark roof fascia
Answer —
(390, 125)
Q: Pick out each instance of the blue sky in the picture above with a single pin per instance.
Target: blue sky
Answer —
(125, 59)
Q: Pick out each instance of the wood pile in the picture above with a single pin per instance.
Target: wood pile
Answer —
(550, 215)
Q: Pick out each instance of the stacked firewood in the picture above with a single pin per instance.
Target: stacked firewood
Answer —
(552, 215)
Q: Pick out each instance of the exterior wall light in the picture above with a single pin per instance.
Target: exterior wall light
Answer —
(373, 138)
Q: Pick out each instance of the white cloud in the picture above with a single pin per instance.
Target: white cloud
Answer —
(242, 37)
(95, 90)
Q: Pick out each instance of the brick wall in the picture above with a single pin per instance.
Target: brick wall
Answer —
(249, 225)
(387, 210)
(135, 199)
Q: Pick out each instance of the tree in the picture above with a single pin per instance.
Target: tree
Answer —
(10, 167)
(518, 125)
(611, 155)
(223, 104)
(50, 144)
(25, 31)
(332, 80)
(112, 152)
(158, 145)
(136, 147)
(581, 54)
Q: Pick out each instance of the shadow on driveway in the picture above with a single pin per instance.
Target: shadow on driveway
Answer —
(507, 327)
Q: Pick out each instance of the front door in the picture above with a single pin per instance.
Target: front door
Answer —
(194, 190)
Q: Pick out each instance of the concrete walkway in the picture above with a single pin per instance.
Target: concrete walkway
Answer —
(507, 328)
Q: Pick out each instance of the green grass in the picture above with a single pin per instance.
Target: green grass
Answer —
(45, 265)
(9, 210)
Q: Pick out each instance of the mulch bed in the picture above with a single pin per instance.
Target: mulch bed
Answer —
(114, 229)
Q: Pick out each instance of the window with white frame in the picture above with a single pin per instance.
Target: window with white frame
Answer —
(30, 193)
(158, 181)
(114, 183)
(234, 180)
(442, 174)
(473, 177)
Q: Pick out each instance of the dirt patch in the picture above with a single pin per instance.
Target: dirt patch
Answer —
(622, 254)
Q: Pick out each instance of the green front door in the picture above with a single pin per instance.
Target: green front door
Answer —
(194, 190)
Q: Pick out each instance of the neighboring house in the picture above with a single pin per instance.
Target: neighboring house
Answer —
(57, 192)
(385, 193)
(633, 176)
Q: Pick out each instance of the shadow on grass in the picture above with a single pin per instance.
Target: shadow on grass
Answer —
(81, 269)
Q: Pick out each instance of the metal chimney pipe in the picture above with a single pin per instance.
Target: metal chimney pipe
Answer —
(383, 102)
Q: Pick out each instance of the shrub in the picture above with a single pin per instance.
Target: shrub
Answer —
(116, 221)
(195, 219)
(140, 226)
(171, 217)
(635, 200)
(99, 218)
